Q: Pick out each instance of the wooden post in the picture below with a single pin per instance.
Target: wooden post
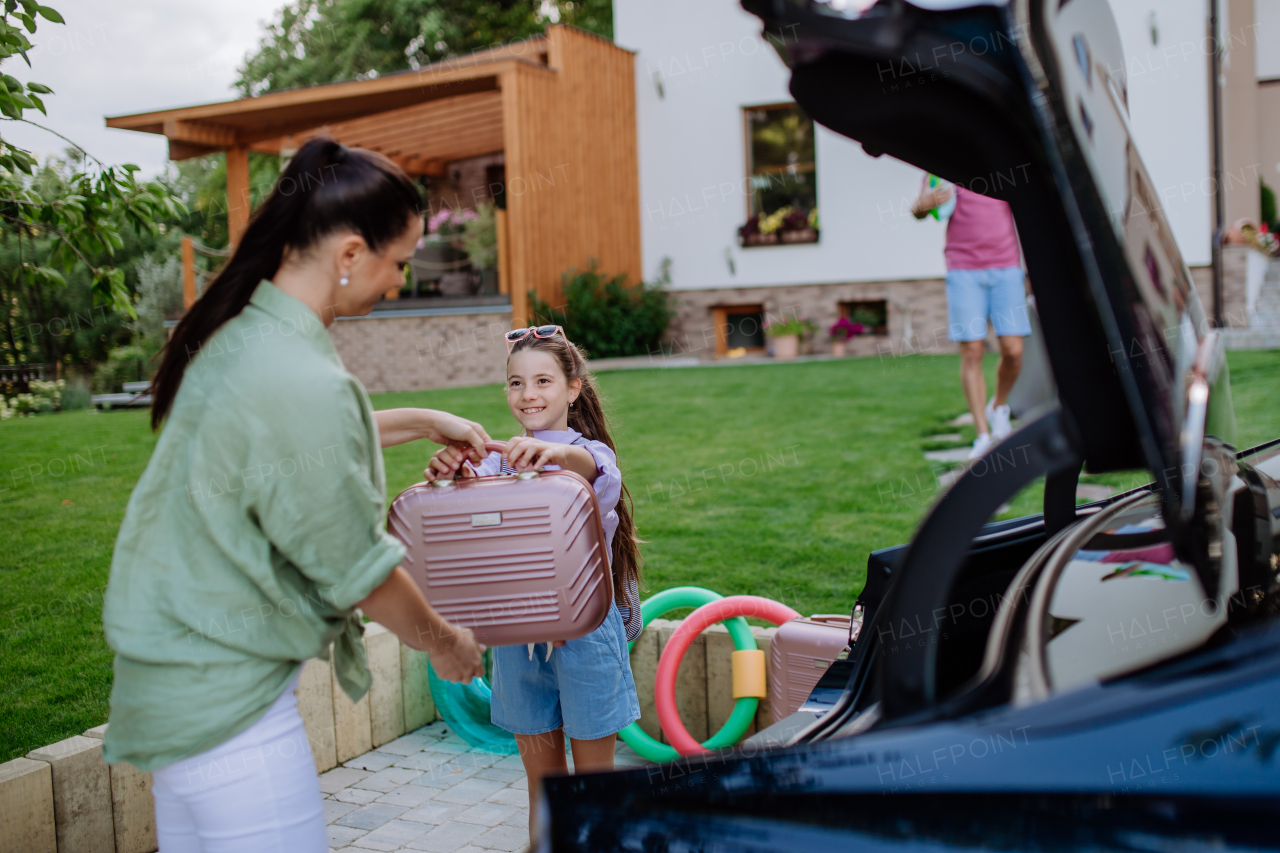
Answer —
(237, 191)
(504, 275)
(188, 273)
(519, 309)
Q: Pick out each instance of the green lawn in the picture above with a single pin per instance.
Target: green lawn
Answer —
(772, 480)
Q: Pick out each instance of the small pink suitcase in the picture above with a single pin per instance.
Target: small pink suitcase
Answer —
(517, 558)
(800, 653)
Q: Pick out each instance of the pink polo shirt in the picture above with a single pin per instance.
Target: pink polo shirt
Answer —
(980, 234)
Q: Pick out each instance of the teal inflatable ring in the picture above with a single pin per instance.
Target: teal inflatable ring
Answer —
(744, 710)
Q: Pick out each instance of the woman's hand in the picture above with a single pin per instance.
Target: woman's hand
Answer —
(398, 605)
(456, 656)
(399, 426)
(447, 463)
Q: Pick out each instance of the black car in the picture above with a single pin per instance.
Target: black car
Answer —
(1119, 687)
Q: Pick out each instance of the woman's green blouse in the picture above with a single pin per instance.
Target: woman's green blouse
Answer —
(256, 528)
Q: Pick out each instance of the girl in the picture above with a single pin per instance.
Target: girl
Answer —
(232, 567)
(585, 689)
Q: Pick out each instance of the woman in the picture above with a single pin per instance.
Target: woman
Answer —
(257, 528)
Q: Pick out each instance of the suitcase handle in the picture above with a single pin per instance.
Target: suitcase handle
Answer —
(830, 618)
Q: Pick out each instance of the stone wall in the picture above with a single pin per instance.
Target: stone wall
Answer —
(921, 303)
(423, 350)
(1234, 297)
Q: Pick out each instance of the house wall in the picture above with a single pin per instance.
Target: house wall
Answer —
(1168, 80)
(693, 162)
(693, 159)
(1269, 131)
(424, 350)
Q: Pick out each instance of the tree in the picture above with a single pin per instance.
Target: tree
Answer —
(324, 41)
(83, 220)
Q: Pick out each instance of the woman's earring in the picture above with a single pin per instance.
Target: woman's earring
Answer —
(345, 280)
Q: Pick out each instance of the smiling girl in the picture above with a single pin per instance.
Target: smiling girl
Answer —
(585, 689)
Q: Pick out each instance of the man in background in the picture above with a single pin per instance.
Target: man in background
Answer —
(984, 281)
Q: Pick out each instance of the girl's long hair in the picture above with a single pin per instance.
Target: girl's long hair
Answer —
(326, 188)
(586, 415)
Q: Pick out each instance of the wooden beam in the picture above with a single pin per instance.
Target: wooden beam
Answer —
(186, 150)
(237, 191)
(200, 133)
(504, 274)
(188, 273)
(282, 113)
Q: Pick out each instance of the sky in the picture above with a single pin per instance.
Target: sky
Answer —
(129, 57)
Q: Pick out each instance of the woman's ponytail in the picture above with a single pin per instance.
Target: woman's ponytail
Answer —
(326, 187)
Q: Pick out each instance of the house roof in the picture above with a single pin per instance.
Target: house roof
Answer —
(422, 118)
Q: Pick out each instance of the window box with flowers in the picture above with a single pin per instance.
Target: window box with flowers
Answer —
(785, 226)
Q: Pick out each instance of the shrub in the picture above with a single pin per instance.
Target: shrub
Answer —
(43, 397)
(607, 317)
(159, 299)
(124, 364)
(76, 395)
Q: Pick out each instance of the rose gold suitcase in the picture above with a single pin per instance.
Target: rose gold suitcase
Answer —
(517, 558)
(800, 653)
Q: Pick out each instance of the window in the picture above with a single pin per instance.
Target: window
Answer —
(784, 194)
(739, 327)
(872, 315)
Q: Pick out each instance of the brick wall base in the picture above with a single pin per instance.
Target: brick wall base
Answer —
(917, 315)
(420, 353)
(1234, 308)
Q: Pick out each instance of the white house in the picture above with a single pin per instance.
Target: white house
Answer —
(711, 113)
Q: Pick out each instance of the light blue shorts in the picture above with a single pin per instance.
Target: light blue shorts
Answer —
(975, 295)
(586, 688)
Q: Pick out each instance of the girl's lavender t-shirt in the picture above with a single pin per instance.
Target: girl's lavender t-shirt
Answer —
(608, 488)
(980, 234)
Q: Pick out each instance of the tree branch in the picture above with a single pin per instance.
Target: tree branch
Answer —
(55, 133)
(61, 235)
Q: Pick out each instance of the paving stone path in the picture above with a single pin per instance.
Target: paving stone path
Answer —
(430, 790)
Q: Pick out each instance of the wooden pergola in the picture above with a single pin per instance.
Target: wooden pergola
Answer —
(560, 107)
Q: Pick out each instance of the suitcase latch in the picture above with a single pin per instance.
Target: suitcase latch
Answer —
(486, 519)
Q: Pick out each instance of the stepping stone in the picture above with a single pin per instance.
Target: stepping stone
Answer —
(962, 420)
(342, 835)
(371, 816)
(486, 814)
(393, 835)
(446, 838)
(506, 838)
(949, 436)
(338, 778)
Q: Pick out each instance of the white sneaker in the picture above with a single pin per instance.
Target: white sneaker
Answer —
(998, 419)
(981, 445)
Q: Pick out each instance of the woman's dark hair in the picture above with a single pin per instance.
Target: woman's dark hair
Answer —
(326, 188)
(586, 415)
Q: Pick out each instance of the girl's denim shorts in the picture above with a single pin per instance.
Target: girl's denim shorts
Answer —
(585, 688)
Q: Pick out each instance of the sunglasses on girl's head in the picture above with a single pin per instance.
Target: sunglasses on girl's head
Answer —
(515, 336)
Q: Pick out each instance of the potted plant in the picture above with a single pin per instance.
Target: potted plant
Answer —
(841, 331)
(440, 255)
(786, 336)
